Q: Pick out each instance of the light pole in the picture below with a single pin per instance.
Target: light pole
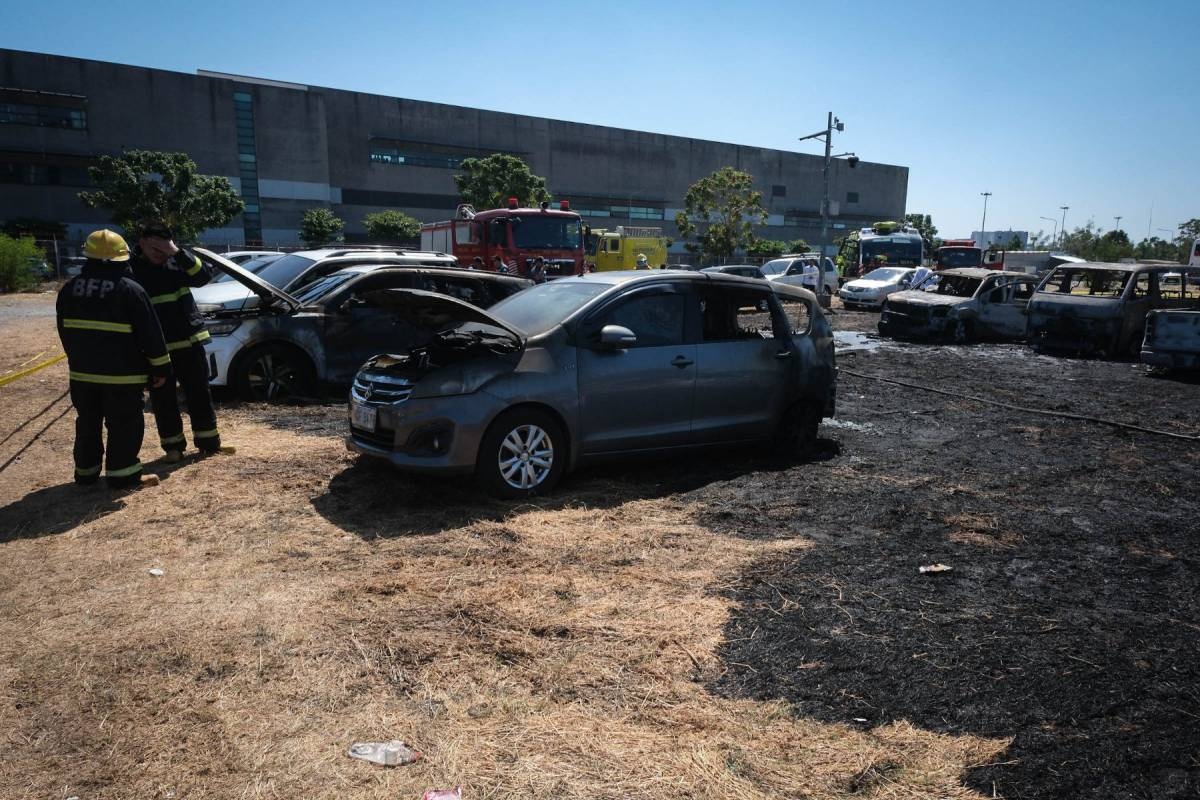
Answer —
(1054, 236)
(1063, 230)
(1118, 227)
(983, 225)
(832, 124)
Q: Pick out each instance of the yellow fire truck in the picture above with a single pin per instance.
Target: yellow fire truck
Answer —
(620, 247)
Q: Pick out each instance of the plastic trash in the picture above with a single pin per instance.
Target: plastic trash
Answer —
(443, 794)
(390, 754)
(935, 568)
(156, 572)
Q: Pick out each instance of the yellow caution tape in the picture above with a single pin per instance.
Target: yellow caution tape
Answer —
(7, 379)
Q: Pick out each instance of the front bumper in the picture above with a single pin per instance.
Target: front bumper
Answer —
(436, 435)
(916, 322)
(220, 352)
(866, 301)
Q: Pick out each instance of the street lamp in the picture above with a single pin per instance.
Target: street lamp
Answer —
(1054, 237)
(1063, 230)
(832, 124)
(983, 225)
(1118, 226)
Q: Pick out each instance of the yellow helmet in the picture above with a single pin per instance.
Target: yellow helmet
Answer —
(106, 245)
(641, 258)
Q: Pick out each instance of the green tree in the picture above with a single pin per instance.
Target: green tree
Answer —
(489, 182)
(798, 246)
(1112, 246)
(924, 225)
(1188, 233)
(17, 256)
(1156, 249)
(319, 226)
(766, 248)
(144, 184)
(391, 226)
(720, 213)
(1014, 243)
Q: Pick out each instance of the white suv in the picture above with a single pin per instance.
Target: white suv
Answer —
(789, 269)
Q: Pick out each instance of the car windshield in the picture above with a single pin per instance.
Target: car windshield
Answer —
(540, 308)
(282, 272)
(253, 266)
(776, 267)
(315, 291)
(895, 250)
(951, 257)
(885, 274)
(1089, 282)
(546, 233)
(957, 285)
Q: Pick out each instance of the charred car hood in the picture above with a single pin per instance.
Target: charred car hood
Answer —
(919, 298)
(438, 312)
(268, 294)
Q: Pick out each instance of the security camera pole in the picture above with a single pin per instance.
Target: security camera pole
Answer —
(832, 124)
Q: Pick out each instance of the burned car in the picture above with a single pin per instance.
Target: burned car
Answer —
(592, 366)
(286, 346)
(961, 306)
(1172, 339)
(1100, 309)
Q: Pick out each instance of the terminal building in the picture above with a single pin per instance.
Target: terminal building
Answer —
(288, 147)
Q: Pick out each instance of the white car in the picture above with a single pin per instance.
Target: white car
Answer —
(789, 269)
(872, 289)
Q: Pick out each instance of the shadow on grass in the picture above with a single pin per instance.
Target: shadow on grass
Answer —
(56, 509)
(372, 500)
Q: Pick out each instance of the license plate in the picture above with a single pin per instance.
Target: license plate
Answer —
(363, 416)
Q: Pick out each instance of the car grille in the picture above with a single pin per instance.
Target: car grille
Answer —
(902, 317)
(380, 390)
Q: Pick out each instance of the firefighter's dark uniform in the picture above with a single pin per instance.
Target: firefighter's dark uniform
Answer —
(169, 288)
(114, 345)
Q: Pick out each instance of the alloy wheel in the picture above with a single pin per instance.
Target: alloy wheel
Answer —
(526, 457)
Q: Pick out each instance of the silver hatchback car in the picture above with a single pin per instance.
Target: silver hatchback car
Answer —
(596, 365)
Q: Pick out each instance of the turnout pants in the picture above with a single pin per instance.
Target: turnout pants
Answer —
(190, 369)
(119, 409)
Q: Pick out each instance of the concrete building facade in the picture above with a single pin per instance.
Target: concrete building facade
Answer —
(289, 147)
(1001, 239)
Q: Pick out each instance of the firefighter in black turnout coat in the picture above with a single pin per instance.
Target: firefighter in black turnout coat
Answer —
(168, 273)
(114, 348)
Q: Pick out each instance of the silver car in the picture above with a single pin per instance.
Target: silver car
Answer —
(596, 365)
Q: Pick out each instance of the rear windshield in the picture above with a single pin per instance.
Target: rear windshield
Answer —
(1086, 282)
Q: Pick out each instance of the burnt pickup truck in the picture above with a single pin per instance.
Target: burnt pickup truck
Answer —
(1100, 309)
(960, 305)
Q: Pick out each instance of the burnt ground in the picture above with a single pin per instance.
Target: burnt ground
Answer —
(710, 626)
(1069, 618)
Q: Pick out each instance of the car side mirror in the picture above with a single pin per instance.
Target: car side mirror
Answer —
(617, 337)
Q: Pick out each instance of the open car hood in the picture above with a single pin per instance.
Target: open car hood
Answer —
(437, 312)
(270, 295)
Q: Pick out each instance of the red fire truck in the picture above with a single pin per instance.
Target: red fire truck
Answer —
(517, 235)
(958, 253)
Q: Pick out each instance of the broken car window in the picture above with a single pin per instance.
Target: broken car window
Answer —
(1089, 282)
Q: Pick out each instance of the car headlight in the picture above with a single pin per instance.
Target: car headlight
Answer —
(223, 328)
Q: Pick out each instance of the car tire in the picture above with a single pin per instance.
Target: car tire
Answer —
(523, 453)
(797, 436)
(963, 332)
(274, 372)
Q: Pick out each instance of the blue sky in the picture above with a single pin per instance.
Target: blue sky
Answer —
(1091, 105)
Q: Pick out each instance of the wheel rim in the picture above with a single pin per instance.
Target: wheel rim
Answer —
(271, 377)
(526, 457)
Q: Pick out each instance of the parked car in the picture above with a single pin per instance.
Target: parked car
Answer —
(596, 365)
(789, 270)
(71, 266)
(872, 289)
(286, 345)
(1100, 309)
(967, 304)
(745, 270)
(293, 271)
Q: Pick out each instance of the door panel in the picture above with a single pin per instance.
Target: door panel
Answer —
(641, 396)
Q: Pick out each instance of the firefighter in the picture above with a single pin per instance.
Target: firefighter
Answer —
(642, 261)
(114, 347)
(168, 273)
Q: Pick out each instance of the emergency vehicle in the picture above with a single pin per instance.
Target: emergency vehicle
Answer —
(619, 248)
(958, 253)
(890, 244)
(518, 235)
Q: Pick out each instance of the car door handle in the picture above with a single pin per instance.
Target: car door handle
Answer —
(681, 362)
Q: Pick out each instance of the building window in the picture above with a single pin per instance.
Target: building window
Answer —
(243, 113)
(43, 109)
(851, 197)
(631, 212)
(424, 154)
(778, 191)
(44, 169)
